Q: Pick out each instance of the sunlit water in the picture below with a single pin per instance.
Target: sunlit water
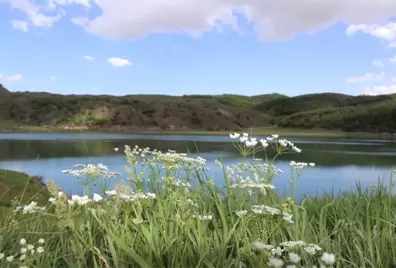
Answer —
(340, 163)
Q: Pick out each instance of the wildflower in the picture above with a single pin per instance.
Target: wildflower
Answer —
(328, 258)
(277, 263)
(294, 258)
(30, 247)
(22, 241)
(97, 198)
(22, 257)
(277, 251)
(312, 249)
(79, 200)
(287, 217)
(283, 143)
(60, 194)
(52, 200)
(40, 250)
(203, 217)
(23, 250)
(116, 149)
(312, 164)
(41, 241)
(241, 213)
(91, 170)
(23, 267)
(10, 258)
(275, 136)
(32, 251)
(111, 193)
(260, 245)
(251, 143)
(234, 136)
(291, 266)
(2, 256)
(30, 208)
(264, 143)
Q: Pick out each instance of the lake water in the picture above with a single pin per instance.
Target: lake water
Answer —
(340, 163)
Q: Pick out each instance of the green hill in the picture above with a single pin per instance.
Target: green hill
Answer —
(200, 112)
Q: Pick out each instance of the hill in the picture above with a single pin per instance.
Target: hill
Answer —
(3, 90)
(200, 112)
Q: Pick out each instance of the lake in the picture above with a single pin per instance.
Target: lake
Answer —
(340, 163)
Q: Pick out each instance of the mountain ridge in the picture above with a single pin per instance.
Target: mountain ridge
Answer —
(203, 112)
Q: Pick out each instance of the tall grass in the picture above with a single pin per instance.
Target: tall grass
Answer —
(172, 215)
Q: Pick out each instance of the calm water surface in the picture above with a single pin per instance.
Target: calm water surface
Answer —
(340, 163)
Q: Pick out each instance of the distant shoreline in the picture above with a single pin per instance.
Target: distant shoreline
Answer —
(256, 131)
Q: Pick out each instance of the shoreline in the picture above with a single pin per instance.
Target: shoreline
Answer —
(292, 132)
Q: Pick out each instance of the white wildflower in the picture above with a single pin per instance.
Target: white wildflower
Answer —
(40, 250)
(52, 200)
(277, 251)
(264, 143)
(287, 217)
(328, 258)
(312, 249)
(241, 213)
(291, 266)
(260, 245)
(23, 250)
(234, 136)
(22, 241)
(277, 263)
(294, 258)
(116, 149)
(2, 256)
(203, 217)
(97, 198)
(111, 193)
(312, 164)
(41, 241)
(10, 258)
(22, 257)
(30, 247)
(275, 136)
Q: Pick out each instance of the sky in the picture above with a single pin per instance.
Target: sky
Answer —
(177, 47)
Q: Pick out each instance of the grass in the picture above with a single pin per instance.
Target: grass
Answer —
(156, 219)
(20, 186)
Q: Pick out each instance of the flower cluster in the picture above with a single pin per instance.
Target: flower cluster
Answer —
(26, 252)
(203, 217)
(301, 165)
(91, 171)
(130, 196)
(266, 210)
(83, 200)
(30, 208)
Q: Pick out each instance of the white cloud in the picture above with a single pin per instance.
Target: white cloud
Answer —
(367, 77)
(378, 63)
(22, 25)
(14, 77)
(271, 19)
(380, 90)
(119, 62)
(34, 15)
(52, 78)
(392, 59)
(89, 58)
(392, 44)
(386, 32)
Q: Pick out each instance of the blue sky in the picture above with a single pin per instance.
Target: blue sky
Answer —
(121, 47)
